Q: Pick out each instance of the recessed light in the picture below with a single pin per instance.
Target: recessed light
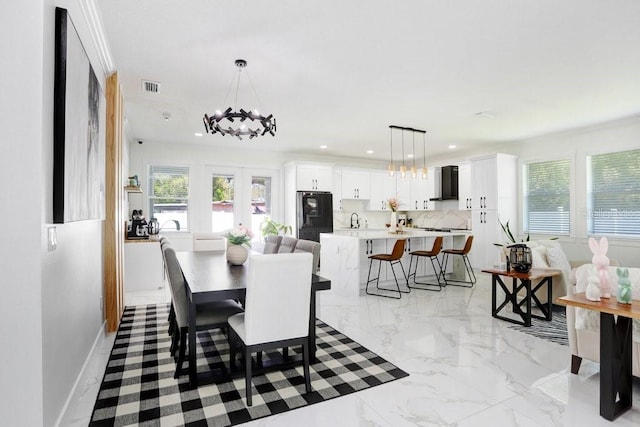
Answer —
(369, 151)
(323, 147)
(410, 156)
(198, 134)
(451, 147)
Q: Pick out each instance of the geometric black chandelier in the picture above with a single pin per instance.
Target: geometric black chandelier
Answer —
(256, 123)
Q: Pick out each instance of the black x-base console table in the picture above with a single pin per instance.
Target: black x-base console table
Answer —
(522, 281)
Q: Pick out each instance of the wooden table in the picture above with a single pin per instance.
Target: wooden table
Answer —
(615, 350)
(522, 281)
(209, 278)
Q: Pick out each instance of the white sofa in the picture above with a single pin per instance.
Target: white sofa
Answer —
(583, 326)
(549, 254)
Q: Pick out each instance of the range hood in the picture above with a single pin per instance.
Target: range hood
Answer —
(446, 183)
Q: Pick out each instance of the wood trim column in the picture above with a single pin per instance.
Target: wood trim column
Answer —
(113, 238)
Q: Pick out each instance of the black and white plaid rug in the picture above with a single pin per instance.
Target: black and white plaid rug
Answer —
(138, 385)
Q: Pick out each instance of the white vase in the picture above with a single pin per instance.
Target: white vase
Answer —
(236, 254)
(394, 222)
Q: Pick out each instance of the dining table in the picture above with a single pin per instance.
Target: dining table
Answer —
(209, 277)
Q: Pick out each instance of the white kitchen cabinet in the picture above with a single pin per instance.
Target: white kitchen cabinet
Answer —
(337, 190)
(464, 186)
(403, 193)
(421, 192)
(314, 177)
(413, 193)
(355, 184)
(382, 187)
(494, 178)
(143, 267)
(486, 232)
(494, 199)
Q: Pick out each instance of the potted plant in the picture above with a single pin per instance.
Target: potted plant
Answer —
(238, 240)
(510, 237)
(269, 227)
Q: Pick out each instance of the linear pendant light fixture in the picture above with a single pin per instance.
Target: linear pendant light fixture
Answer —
(222, 121)
(403, 168)
(424, 156)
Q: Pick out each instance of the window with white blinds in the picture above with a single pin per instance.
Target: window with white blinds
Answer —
(168, 192)
(613, 193)
(547, 191)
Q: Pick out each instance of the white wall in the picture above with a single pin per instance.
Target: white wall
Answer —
(21, 136)
(72, 275)
(55, 316)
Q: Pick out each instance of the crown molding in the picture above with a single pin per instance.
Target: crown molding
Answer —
(93, 18)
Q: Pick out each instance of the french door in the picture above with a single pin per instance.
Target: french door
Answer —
(241, 196)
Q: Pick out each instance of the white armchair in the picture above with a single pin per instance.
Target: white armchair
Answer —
(583, 326)
(277, 308)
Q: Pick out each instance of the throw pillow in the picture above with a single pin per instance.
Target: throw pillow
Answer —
(557, 259)
(539, 257)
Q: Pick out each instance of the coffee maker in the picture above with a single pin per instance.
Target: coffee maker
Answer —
(138, 227)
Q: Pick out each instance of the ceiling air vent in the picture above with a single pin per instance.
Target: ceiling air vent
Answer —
(150, 87)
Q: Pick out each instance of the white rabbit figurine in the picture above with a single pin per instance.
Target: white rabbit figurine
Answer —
(592, 293)
(601, 263)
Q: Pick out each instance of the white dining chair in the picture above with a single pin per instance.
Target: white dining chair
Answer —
(313, 248)
(276, 312)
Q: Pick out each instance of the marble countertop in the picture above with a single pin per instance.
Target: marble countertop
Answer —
(367, 233)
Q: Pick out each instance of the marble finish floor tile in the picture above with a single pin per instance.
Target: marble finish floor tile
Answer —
(466, 368)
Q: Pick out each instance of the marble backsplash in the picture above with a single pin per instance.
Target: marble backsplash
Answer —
(444, 214)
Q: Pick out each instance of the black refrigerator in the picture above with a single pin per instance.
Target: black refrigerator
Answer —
(314, 214)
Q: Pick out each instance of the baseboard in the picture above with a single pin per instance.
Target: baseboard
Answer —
(101, 335)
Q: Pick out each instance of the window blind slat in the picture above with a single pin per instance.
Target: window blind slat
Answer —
(547, 197)
(613, 193)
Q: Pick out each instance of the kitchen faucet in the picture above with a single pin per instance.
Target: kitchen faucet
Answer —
(357, 224)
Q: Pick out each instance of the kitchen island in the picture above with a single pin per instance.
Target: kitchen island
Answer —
(344, 255)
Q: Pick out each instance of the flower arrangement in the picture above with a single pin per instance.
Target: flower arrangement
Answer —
(393, 204)
(239, 236)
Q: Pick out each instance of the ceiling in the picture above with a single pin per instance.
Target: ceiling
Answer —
(338, 73)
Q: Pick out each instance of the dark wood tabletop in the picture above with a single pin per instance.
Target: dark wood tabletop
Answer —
(209, 272)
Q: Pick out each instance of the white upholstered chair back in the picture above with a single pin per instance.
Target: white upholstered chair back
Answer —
(313, 248)
(278, 297)
(209, 242)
